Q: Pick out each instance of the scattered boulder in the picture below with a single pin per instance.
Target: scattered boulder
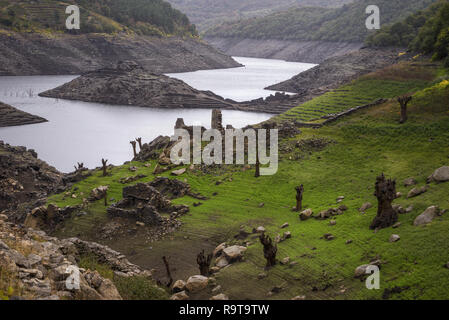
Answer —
(416, 192)
(221, 262)
(306, 214)
(396, 225)
(220, 296)
(285, 261)
(440, 175)
(328, 236)
(299, 298)
(427, 216)
(333, 222)
(285, 225)
(365, 206)
(234, 253)
(180, 296)
(178, 286)
(260, 229)
(219, 249)
(196, 283)
(178, 172)
(394, 238)
(98, 193)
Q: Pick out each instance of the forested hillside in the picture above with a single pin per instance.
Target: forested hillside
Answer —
(147, 17)
(339, 24)
(208, 13)
(426, 31)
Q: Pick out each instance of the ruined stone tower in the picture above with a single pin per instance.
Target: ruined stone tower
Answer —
(216, 122)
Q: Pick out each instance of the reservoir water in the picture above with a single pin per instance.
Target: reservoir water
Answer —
(86, 132)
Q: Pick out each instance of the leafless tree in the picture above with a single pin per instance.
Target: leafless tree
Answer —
(385, 191)
(403, 101)
(204, 263)
(299, 194)
(269, 250)
(104, 162)
(139, 141)
(167, 269)
(133, 143)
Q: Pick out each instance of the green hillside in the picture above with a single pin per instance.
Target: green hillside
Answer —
(147, 17)
(339, 159)
(341, 24)
(426, 31)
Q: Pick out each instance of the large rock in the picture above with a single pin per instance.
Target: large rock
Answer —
(196, 283)
(410, 182)
(99, 193)
(427, 216)
(306, 214)
(178, 286)
(234, 253)
(440, 175)
(180, 296)
(417, 191)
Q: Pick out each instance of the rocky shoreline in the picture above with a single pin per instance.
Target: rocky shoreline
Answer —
(290, 50)
(10, 116)
(57, 54)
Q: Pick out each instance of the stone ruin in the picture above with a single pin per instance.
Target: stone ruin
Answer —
(217, 120)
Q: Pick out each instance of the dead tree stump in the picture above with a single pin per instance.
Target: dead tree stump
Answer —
(257, 173)
(79, 167)
(385, 193)
(104, 162)
(403, 101)
(133, 143)
(299, 193)
(204, 263)
(269, 250)
(139, 141)
(167, 269)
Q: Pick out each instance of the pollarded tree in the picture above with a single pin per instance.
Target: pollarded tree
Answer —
(403, 101)
(204, 263)
(299, 193)
(133, 143)
(139, 141)
(104, 162)
(385, 191)
(269, 250)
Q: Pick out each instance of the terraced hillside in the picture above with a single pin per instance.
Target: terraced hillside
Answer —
(388, 83)
(340, 160)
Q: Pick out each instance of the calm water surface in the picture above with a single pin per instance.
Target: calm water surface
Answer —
(86, 132)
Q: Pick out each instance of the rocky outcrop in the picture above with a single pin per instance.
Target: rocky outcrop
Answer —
(336, 71)
(128, 83)
(290, 50)
(37, 54)
(24, 178)
(39, 266)
(10, 116)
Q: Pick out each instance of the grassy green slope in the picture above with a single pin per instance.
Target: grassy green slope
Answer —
(362, 146)
(341, 24)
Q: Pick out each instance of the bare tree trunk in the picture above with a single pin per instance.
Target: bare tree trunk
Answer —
(403, 101)
(257, 173)
(104, 162)
(167, 268)
(204, 263)
(299, 193)
(139, 141)
(269, 250)
(385, 193)
(79, 167)
(133, 143)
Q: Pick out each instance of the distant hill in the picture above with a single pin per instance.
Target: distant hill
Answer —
(426, 31)
(208, 13)
(145, 17)
(339, 24)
